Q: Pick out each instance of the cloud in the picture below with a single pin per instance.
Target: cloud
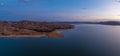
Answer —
(25, 1)
(2, 4)
(117, 1)
(84, 8)
(50, 0)
(118, 15)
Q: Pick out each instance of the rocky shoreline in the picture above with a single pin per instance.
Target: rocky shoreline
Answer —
(26, 27)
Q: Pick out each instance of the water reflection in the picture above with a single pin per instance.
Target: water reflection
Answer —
(53, 34)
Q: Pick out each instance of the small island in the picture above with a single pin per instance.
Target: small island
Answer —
(26, 27)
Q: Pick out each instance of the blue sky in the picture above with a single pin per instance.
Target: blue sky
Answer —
(59, 10)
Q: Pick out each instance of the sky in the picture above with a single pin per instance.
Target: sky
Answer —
(60, 10)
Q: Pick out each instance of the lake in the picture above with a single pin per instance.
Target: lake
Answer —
(83, 40)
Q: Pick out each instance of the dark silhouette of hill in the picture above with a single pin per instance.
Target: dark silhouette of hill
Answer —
(109, 23)
(102, 22)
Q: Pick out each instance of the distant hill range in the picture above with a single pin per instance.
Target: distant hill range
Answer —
(103, 22)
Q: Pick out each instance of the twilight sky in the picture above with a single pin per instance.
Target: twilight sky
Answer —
(60, 10)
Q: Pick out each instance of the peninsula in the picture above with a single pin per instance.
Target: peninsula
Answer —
(26, 27)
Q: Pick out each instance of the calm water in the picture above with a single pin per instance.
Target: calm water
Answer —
(84, 40)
